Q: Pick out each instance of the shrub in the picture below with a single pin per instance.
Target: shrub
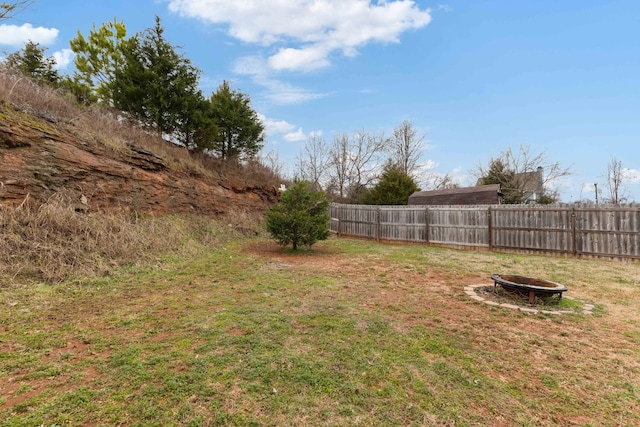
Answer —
(394, 188)
(301, 218)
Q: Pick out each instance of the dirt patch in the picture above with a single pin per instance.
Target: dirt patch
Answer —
(367, 282)
(18, 390)
(73, 349)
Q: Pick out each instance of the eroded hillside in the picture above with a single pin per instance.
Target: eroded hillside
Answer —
(107, 165)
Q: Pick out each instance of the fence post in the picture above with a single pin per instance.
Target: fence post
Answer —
(339, 220)
(378, 224)
(490, 227)
(574, 237)
(426, 225)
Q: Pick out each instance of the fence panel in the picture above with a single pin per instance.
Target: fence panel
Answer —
(611, 232)
(548, 229)
(360, 221)
(592, 230)
(402, 223)
(459, 225)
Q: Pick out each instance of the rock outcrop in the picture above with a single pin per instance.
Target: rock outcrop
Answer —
(41, 155)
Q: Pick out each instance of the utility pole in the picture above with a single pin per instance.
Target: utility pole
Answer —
(596, 186)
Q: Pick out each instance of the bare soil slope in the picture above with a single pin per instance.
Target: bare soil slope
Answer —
(107, 165)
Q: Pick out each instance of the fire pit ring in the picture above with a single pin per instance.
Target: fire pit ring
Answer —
(534, 287)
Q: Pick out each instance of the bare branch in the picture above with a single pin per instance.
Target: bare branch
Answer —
(312, 163)
(406, 147)
(9, 10)
(354, 163)
(614, 181)
(524, 175)
(438, 181)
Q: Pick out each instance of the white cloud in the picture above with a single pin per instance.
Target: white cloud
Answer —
(275, 126)
(12, 35)
(588, 188)
(427, 165)
(305, 59)
(63, 58)
(282, 93)
(631, 176)
(307, 32)
(277, 91)
(296, 136)
(282, 127)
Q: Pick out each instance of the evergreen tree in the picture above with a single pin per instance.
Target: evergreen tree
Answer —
(499, 173)
(240, 133)
(33, 62)
(158, 87)
(97, 59)
(301, 218)
(394, 187)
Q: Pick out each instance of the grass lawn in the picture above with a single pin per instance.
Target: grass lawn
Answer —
(349, 333)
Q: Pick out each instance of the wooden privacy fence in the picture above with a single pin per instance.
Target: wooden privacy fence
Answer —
(607, 231)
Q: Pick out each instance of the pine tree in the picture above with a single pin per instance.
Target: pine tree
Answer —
(158, 87)
(98, 58)
(33, 62)
(301, 218)
(394, 187)
(240, 131)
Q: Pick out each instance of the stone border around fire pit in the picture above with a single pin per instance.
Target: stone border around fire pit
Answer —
(471, 291)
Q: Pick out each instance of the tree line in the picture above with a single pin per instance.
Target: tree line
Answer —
(363, 166)
(373, 168)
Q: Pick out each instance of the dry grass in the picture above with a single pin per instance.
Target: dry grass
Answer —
(25, 93)
(94, 124)
(53, 242)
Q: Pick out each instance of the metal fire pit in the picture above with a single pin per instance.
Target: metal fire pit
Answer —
(534, 287)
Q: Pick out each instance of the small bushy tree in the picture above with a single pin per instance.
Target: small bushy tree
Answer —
(301, 217)
(33, 62)
(394, 188)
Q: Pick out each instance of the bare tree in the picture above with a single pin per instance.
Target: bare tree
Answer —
(340, 164)
(614, 181)
(366, 151)
(9, 9)
(525, 176)
(406, 147)
(438, 181)
(313, 162)
(272, 161)
(354, 163)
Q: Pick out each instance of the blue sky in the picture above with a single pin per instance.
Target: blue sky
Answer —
(475, 77)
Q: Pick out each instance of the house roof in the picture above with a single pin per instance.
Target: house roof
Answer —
(531, 181)
(479, 195)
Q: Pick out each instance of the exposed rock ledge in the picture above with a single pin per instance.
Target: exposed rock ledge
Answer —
(39, 157)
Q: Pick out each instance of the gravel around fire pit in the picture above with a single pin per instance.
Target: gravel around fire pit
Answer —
(499, 297)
